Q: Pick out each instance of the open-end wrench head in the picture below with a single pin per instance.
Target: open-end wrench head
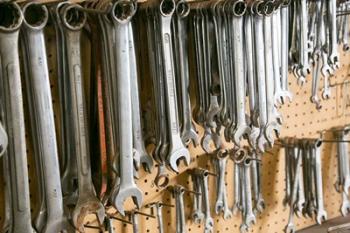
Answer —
(209, 224)
(269, 129)
(219, 206)
(260, 205)
(227, 213)
(147, 162)
(290, 228)
(250, 220)
(262, 143)
(326, 93)
(321, 216)
(315, 100)
(85, 207)
(243, 228)
(240, 131)
(190, 136)
(198, 217)
(346, 186)
(345, 207)
(181, 153)
(124, 193)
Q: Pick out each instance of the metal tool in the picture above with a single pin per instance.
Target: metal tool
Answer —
(73, 21)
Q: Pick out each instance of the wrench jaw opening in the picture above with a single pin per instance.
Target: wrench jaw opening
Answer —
(321, 216)
(345, 207)
(181, 153)
(269, 129)
(125, 192)
(84, 207)
(290, 228)
(147, 162)
(189, 136)
(240, 132)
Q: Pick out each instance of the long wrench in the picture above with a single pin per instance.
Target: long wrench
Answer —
(145, 158)
(177, 150)
(122, 12)
(73, 21)
(14, 116)
(39, 94)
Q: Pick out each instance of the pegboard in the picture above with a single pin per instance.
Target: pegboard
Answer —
(300, 119)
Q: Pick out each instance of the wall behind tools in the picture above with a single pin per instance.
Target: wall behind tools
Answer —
(301, 119)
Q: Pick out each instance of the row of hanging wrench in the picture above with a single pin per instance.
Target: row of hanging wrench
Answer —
(304, 186)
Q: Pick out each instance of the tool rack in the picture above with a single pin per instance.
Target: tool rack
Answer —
(301, 119)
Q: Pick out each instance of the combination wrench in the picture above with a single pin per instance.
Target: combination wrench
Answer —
(73, 21)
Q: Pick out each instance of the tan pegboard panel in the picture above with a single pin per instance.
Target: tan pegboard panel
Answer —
(301, 119)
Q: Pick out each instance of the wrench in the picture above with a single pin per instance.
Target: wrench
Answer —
(237, 190)
(188, 132)
(256, 183)
(69, 175)
(260, 76)
(121, 14)
(345, 206)
(332, 21)
(14, 118)
(138, 141)
(178, 191)
(39, 96)
(241, 127)
(249, 217)
(321, 213)
(290, 228)
(271, 124)
(284, 52)
(177, 150)
(203, 177)
(221, 201)
(342, 147)
(276, 30)
(198, 214)
(135, 221)
(73, 21)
